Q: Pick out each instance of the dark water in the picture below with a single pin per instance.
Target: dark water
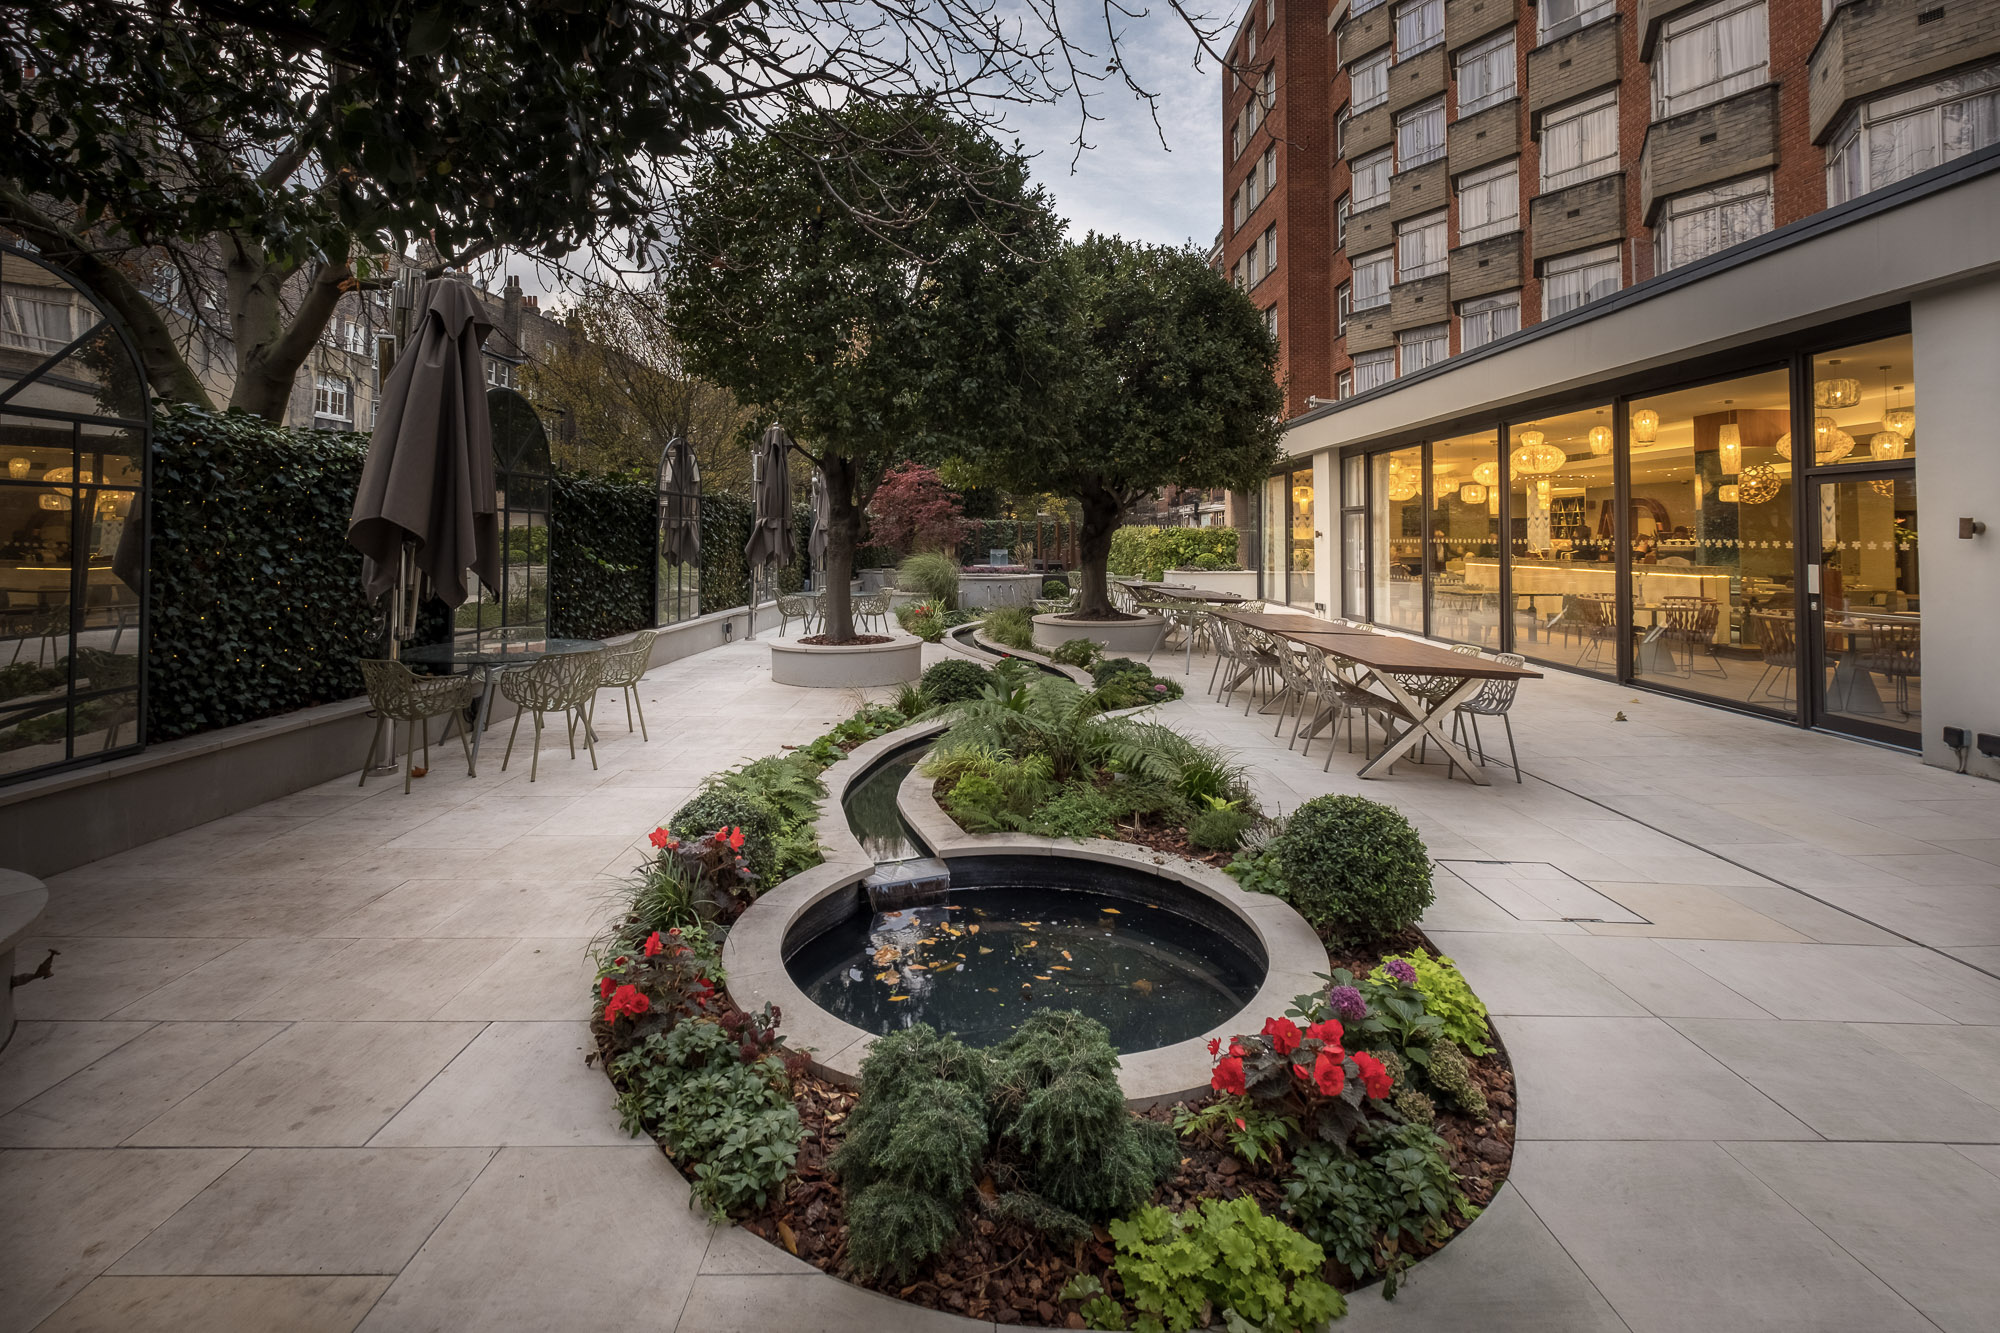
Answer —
(872, 812)
(988, 958)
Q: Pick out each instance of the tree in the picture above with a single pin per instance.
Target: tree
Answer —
(261, 157)
(1164, 374)
(883, 327)
(912, 510)
(624, 387)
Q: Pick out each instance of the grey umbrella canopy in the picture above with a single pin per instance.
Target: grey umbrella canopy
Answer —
(822, 521)
(771, 537)
(428, 479)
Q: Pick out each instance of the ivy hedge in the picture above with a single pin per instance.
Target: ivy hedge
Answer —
(601, 552)
(1139, 551)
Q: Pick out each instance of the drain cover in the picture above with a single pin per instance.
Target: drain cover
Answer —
(1538, 891)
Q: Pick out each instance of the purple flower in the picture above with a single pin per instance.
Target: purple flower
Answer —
(1348, 1004)
(1159, 689)
(1400, 970)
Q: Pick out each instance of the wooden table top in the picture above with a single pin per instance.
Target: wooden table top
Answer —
(1289, 622)
(1183, 592)
(1381, 652)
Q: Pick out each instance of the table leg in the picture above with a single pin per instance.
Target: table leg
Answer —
(485, 710)
(1426, 723)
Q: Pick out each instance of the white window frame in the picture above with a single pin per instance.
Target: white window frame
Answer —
(1342, 208)
(1343, 385)
(1855, 163)
(1697, 37)
(1569, 16)
(1271, 319)
(1480, 319)
(1343, 305)
(1419, 26)
(1699, 223)
(36, 324)
(1486, 56)
(1270, 12)
(333, 398)
(1368, 268)
(1270, 248)
(1340, 119)
(1360, 7)
(1237, 139)
(1431, 113)
(1237, 211)
(1475, 197)
(1422, 247)
(1424, 347)
(1573, 118)
(1557, 300)
(1378, 165)
(1368, 81)
(1270, 170)
(1374, 369)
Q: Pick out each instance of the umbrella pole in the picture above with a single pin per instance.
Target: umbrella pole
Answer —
(385, 744)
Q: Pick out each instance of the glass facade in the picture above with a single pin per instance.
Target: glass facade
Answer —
(1289, 538)
(521, 474)
(1674, 538)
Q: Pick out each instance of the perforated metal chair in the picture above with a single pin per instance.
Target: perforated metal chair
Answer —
(1494, 699)
(398, 694)
(874, 606)
(796, 606)
(565, 683)
(624, 667)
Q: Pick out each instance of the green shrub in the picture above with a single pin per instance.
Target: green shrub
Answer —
(1218, 828)
(954, 681)
(734, 1121)
(1353, 867)
(1077, 652)
(1447, 995)
(1110, 668)
(1451, 1074)
(1053, 587)
(1001, 797)
(1011, 627)
(1362, 1210)
(1149, 552)
(1257, 871)
(914, 1146)
(933, 575)
(1079, 811)
(1133, 684)
(1253, 1270)
(717, 807)
(1055, 1099)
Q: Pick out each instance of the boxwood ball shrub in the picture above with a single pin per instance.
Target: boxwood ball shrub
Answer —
(719, 807)
(1353, 867)
(954, 681)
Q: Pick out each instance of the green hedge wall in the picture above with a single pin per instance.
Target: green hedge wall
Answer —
(256, 595)
(601, 548)
(1147, 552)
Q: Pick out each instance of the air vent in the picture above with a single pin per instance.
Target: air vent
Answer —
(1930, 16)
(1709, 137)
(1575, 213)
(1484, 262)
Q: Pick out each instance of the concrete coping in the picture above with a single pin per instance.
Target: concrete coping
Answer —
(23, 899)
(753, 954)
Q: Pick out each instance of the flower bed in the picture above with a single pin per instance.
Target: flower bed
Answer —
(1340, 1141)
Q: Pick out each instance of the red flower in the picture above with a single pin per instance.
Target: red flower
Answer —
(1240, 1124)
(604, 985)
(626, 1001)
(707, 991)
(1298, 1071)
(1329, 1074)
(1284, 1035)
(1329, 1031)
(1373, 1075)
(674, 931)
(654, 944)
(1236, 1048)
(660, 837)
(1214, 1045)
(1228, 1076)
(732, 838)
(620, 961)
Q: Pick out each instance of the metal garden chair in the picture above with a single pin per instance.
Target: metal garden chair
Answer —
(565, 683)
(624, 667)
(398, 694)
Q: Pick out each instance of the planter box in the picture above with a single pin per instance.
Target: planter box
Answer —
(1121, 638)
(847, 666)
(1242, 582)
(980, 592)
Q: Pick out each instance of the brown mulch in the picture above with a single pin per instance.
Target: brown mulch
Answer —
(822, 641)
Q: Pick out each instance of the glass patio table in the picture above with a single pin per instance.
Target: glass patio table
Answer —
(490, 658)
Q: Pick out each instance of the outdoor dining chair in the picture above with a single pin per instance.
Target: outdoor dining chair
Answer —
(624, 667)
(796, 606)
(874, 606)
(565, 683)
(398, 694)
(1494, 699)
(1778, 649)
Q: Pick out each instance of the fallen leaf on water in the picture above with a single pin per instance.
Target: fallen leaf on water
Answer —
(888, 978)
(984, 949)
(1029, 944)
(1112, 911)
(1143, 986)
(1066, 957)
(899, 997)
(1058, 968)
(786, 1235)
(1042, 976)
(974, 927)
(886, 954)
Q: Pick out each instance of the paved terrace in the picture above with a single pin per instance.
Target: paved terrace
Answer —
(319, 1066)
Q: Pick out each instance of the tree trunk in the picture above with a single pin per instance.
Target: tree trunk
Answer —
(270, 351)
(1103, 512)
(843, 538)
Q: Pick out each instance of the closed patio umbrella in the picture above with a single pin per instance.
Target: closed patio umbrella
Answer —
(428, 479)
(771, 527)
(822, 512)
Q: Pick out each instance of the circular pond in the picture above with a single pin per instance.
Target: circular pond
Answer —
(1154, 961)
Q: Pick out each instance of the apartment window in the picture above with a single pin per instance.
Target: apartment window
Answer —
(1579, 279)
(1253, 263)
(1237, 139)
(333, 398)
(1419, 26)
(353, 341)
(1372, 278)
(1343, 304)
(1368, 81)
(1270, 168)
(1559, 18)
(1252, 196)
(1420, 135)
(35, 325)
(1708, 55)
(1914, 130)
(1489, 202)
(1420, 247)
(1424, 347)
(1271, 247)
(1580, 141)
(1371, 181)
(1701, 222)
(1372, 370)
(1271, 320)
(1236, 209)
(1270, 12)
(1486, 74)
(1340, 211)
(1482, 320)
(1340, 119)
(1343, 385)
(1363, 6)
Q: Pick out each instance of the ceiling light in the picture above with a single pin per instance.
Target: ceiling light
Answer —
(1729, 444)
(1645, 426)
(1600, 440)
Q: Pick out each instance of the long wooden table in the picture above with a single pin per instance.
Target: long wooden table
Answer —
(1388, 659)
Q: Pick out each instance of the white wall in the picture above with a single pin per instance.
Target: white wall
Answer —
(1957, 334)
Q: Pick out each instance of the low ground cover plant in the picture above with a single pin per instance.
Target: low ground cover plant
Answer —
(1011, 627)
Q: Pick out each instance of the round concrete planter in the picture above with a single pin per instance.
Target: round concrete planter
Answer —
(23, 899)
(847, 666)
(1121, 638)
(979, 592)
